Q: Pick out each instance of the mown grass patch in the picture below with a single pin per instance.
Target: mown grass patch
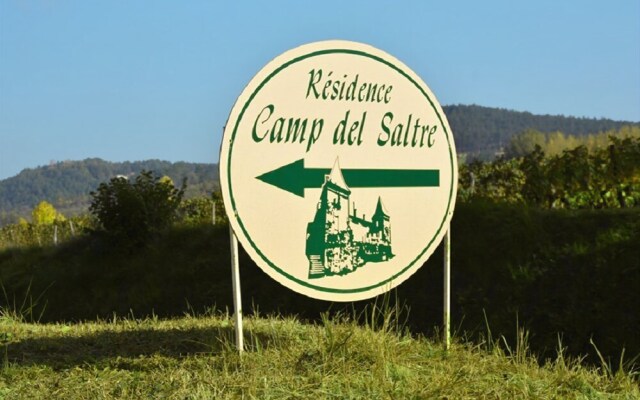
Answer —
(194, 358)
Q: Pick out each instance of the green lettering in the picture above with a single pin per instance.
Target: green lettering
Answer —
(396, 135)
(327, 85)
(313, 136)
(277, 137)
(406, 132)
(385, 129)
(351, 89)
(379, 97)
(313, 79)
(414, 140)
(387, 93)
(430, 142)
(361, 97)
(294, 128)
(342, 88)
(254, 133)
(371, 92)
(335, 89)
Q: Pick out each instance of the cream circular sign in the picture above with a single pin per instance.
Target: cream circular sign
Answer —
(338, 170)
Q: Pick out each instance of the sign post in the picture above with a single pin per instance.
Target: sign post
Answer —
(447, 289)
(237, 298)
(338, 171)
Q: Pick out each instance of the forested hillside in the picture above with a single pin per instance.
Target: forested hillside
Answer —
(483, 131)
(67, 184)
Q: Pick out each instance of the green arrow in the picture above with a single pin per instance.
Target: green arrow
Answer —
(294, 177)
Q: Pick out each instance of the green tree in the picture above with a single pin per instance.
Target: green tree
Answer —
(198, 210)
(45, 214)
(204, 210)
(536, 189)
(167, 180)
(525, 143)
(133, 212)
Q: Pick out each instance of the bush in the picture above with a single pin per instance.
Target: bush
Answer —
(25, 234)
(132, 213)
(576, 179)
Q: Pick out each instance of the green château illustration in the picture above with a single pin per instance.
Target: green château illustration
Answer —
(338, 240)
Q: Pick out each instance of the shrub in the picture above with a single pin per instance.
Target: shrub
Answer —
(132, 213)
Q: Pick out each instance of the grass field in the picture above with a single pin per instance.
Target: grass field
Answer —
(573, 274)
(194, 358)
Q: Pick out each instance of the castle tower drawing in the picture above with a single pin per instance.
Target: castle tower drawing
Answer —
(339, 240)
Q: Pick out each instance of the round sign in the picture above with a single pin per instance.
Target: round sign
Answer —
(338, 170)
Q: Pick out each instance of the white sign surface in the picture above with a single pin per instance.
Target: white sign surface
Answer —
(338, 170)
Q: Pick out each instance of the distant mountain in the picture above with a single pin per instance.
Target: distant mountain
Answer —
(67, 184)
(484, 130)
(478, 131)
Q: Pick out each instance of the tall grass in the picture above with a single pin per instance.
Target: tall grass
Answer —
(193, 357)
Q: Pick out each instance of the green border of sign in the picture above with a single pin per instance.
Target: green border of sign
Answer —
(235, 129)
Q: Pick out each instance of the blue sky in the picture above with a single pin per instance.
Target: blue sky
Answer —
(134, 80)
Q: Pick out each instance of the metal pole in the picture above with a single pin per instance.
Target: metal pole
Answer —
(447, 289)
(235, 282)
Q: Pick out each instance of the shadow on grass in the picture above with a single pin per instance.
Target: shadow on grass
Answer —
(106, 347)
